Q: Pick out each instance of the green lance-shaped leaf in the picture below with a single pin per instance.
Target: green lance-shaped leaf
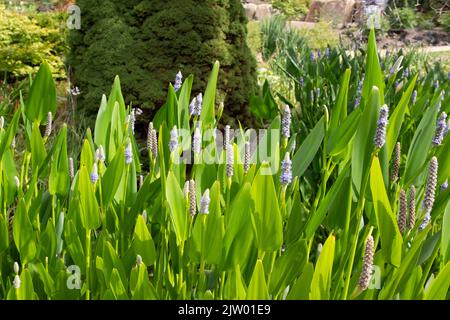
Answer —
(73, 244)
(38, 152)
(421, 143)
(391, 239)
(321, 281)
(238, 238)
(178, 215)
(42, 96)
(213, 236)
(10, 133)
(116, 97)
(208, 112)
(102, 122)
(4, 234)
(396, 118)
(316, 219)
(257, 289)
(90, 216)
(374, 75)
(115, 133)
(445, 239)
(143, 242)
(116, 286)
(86, 158)
(183, 103)
(59, 180)
(340, 110)
(23, 233)
(340, 138)
(267, 216)
(363, 143)
(288, 266)
(440, 285)
(112, 261)
(443, 156)
(26, 289)
(234, 285)
(308, 149)
(113, 176)
(401, 275)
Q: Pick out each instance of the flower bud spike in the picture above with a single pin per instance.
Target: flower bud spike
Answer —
(204, 202)
(71, 169)
(48, 128)
(412, 207)
(366, 271)
(440, 129)
(192, 198)
(286, 170)
(402, 211)
(396, 163)
(128, 154)
(380, 132)
(247, 157)
(431, 185)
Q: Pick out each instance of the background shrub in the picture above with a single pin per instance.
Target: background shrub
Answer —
(147, 42)
(27, 40)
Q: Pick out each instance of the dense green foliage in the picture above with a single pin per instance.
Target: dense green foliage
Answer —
(147, 42)
(236, 230)
(27, 40)
(293, 9)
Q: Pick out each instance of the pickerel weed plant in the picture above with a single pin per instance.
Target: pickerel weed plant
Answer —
(199, 216)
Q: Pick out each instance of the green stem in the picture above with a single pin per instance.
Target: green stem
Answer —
(359, 211)
(88, 262)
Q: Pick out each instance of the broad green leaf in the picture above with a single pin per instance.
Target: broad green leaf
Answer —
(86, 158)
(42, 96)
(308, 149)
(116, 286)
(213, 236)
(102, 122)
(116, 97)
(363, 143)
(321, 281)
(234, 286)
(391, 239)
(208, 111)
(318, 216)
(38, 152)
(418, 149)
(10, 133)
(113, 176)
(23, 233)
(340, 138)
(143, 242)
(440, 285)
(267, 216)
(257, 289)
(301, 287)
(183, 103)
(445, 239)
(4, 234)
(396, 118)
(74, 245)
(374, 75)
(59, 180)
(178, 213)
(238, 238)
(284, 271)
(90, 214)
(443, 156)
(339, 112)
